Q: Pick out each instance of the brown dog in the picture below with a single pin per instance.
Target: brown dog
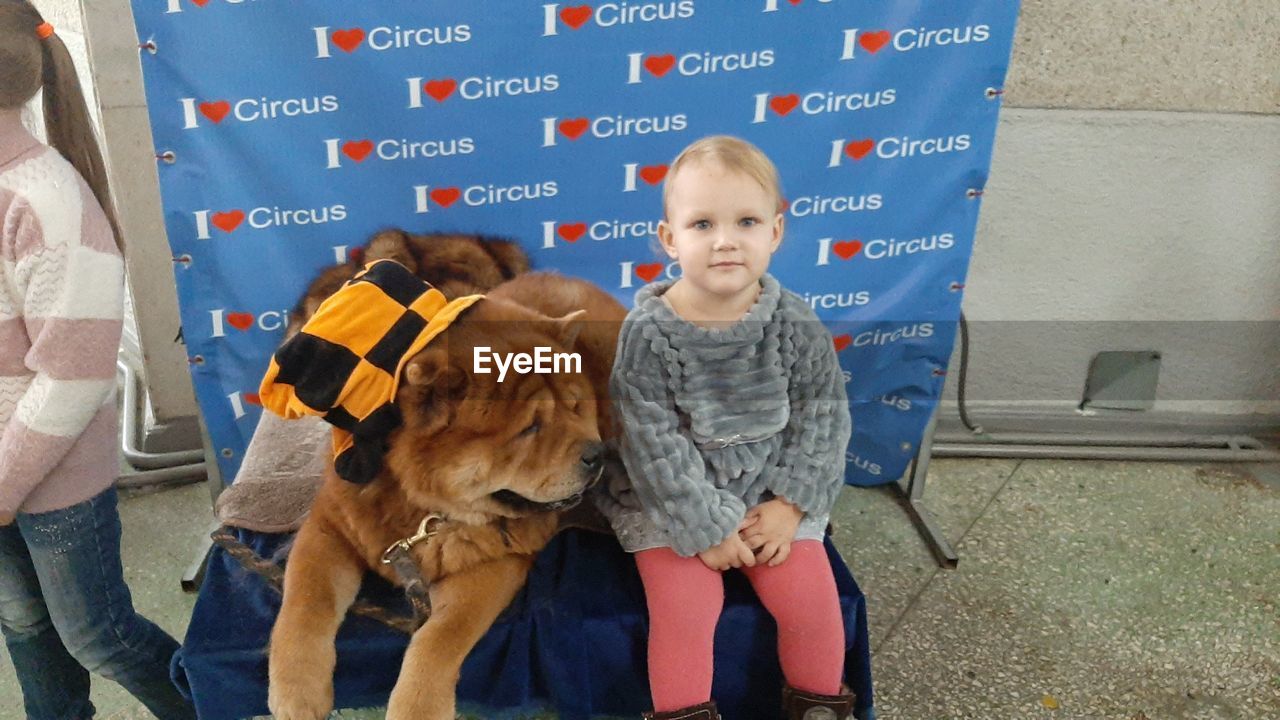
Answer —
(496, 459)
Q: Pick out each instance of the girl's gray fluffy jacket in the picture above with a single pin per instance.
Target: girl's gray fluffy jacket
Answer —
(716, 421)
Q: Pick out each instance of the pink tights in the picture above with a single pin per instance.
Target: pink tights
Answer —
(685, 598)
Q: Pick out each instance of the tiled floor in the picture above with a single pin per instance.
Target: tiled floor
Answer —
(1085, 590)
(1133, 591)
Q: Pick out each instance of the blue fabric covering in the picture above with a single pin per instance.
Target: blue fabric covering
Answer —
(572, 641)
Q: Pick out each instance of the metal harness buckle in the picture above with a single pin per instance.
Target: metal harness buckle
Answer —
(427, 529)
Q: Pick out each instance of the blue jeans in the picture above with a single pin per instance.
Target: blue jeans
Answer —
(65, 611)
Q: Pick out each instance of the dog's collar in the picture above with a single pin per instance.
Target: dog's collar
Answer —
(427, 529)
(519, 502)
(399, 556)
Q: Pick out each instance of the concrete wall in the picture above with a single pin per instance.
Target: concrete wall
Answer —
(1208, 56)
(1134, 203)
(1118, 230)
(63, 14)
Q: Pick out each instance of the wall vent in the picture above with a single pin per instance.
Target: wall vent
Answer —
(1122, 380)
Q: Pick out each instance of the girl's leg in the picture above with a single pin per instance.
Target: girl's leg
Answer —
(54, 686)
(685, 598)
(76, 553)
(801, 595)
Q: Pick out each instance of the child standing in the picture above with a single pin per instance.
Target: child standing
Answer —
(735, 425)
(64, 607)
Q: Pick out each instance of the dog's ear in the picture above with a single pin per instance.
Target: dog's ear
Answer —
(391, 245)
(431, 367)
(566, 328)
(430, 388)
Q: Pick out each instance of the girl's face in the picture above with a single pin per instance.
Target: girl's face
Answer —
(722, 227)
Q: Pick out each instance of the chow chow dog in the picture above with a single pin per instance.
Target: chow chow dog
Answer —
(497, 460)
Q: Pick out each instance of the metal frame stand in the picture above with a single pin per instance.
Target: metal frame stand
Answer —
(194, 575)
(161, 469)
(193, 578)
(149, 469)
(912, 487)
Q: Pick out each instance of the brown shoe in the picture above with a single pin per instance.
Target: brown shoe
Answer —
(802, 705)
(705, 711)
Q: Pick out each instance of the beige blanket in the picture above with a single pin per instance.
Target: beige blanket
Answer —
(283, 469)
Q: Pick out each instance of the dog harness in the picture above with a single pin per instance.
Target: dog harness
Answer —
(346, 363)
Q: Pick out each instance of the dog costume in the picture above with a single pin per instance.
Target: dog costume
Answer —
(346, 362)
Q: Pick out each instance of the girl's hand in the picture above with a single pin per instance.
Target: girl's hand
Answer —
(733, 552)
(773, 528)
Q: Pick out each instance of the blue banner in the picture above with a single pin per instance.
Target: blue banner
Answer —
(291, 132)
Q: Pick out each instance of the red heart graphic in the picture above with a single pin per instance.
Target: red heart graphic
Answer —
(653, 174)
(858, 149)
(215, 111)
(795, 2)
(357, 150)
(348, 40)
(648, 272)
(873, 41)
(847, 248)
(229, 220)
(573, 129)
(440, 89)
(201, 3)
(574, 17)
(572, 231)
(240, 321)
(446, 196)
(784, 104)
(252, 399)
(842, 341)
(660, 65)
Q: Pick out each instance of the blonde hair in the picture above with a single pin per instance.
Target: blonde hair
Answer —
(733, 154)
(29, 63)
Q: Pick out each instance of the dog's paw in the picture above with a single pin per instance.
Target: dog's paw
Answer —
(294, 701)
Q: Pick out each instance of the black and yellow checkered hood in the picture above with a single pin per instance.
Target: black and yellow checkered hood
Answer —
(346, 362)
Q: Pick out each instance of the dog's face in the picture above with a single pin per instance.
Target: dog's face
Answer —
(476, 448)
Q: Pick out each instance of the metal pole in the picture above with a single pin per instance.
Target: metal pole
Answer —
(913, 492)
(1086, 452)
(1093, 440)
(130, 420)
(181, 475)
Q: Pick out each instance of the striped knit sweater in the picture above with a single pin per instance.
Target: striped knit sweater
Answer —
(61, 308)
